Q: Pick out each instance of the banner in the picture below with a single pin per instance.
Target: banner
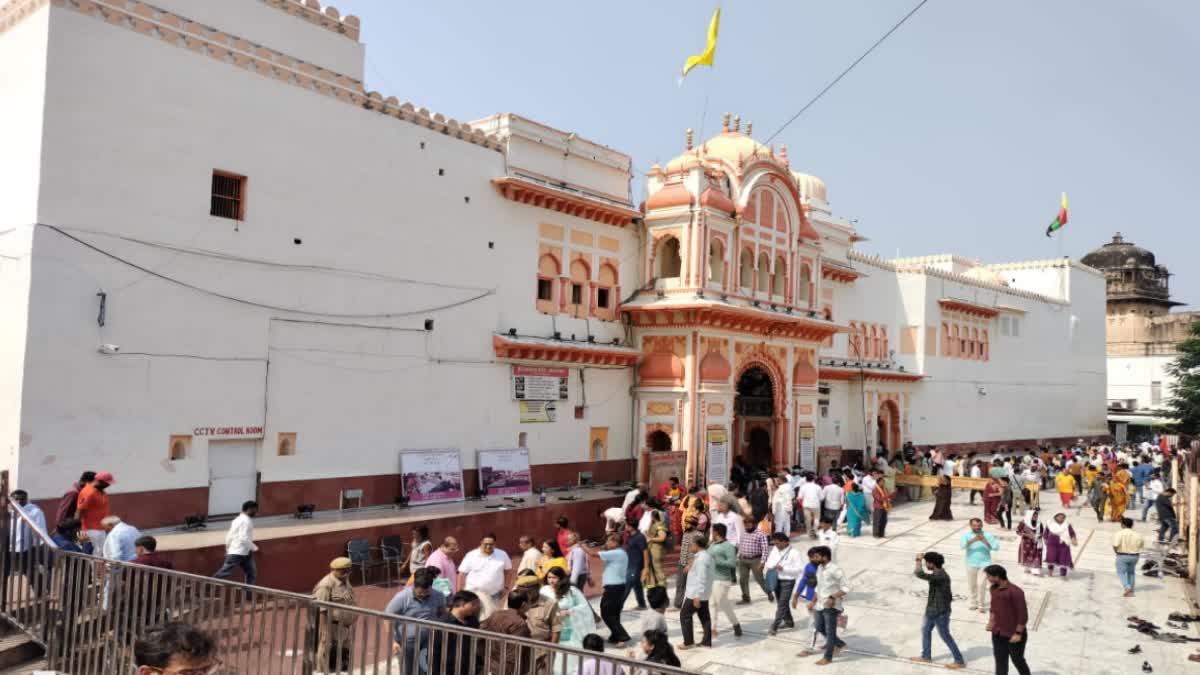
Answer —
(431, 476)
(504, 472)
(535, 383)
(808, 449)
(537, 411)
(716, 458)
(661, 466)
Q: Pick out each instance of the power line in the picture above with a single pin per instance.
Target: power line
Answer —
(261, 305)
(846, 72)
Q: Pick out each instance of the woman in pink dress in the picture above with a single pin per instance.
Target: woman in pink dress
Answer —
(1057, 533)
(1029, 555)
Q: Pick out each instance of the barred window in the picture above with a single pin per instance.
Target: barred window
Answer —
(228, 195)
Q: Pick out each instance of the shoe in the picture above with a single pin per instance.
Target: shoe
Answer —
(920, 659)
(790, 624)
(770, 597)
(773, 631)
(685, 647)
(737, 630)
(642, 607)
(824, 662)
(1137, 649)
(744, 601)
(956, 666)
(1146, 667)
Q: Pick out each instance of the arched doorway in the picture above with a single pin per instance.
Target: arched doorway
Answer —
(659, 441)
(754, 411)
(888, 427)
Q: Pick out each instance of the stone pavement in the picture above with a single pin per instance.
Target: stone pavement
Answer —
(1077, 625)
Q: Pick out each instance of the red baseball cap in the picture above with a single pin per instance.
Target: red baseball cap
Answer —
(106, 477)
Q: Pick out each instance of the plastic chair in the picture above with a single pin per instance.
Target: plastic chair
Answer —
(359, 552)
(392, 547)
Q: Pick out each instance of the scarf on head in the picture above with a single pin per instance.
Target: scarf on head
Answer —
(1029, 516)
(1062, 531)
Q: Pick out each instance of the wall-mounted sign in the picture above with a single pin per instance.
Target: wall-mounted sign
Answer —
(808, 450)
(716, 459)
(504, 472)
(229, 432)
(535, 383)
(430, 476)
(538, 411)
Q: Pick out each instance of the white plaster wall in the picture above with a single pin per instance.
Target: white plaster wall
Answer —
(1131, 377)
(22, 88)
(360, 192)
(274, 28)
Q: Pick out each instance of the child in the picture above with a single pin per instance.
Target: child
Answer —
(593, 666)
(655, 619)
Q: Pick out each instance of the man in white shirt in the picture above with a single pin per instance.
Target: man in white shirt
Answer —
(976, 472)
(696, 594)
(782, 504)
(630, 496)
(832, 498)
(810, 500)
(530, 555)
(614, 520)
(25, 540)
(948, 465)
(868, 483)
(787, 564)
(731, 520)
(240, 546)
(828, 537)
(1153, 489)
(482, 571)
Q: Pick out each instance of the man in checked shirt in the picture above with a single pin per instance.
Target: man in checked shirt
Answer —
(752, 550)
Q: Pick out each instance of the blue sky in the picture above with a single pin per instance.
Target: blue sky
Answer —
(956, 135)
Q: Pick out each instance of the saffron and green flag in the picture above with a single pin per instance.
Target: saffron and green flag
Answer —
(705, 58)
(1060, 219)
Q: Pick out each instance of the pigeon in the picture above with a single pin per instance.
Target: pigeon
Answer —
(1137, 649)
(1146, 667)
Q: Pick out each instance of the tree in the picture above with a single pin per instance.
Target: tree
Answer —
(1185, 398)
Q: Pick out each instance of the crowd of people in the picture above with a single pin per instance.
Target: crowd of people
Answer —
(730, 539)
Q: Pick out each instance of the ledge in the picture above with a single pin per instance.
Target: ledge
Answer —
(571, 203)
(969, 308)
(564, 351)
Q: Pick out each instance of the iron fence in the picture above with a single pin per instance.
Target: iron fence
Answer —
(87, 612)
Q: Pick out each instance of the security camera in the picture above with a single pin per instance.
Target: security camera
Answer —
(108, 349)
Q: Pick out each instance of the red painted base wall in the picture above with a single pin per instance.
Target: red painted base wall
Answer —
(164, 508)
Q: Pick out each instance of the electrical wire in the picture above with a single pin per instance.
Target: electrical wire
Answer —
(200, 357)
(262, 305)
(271, 263)
(846, 72)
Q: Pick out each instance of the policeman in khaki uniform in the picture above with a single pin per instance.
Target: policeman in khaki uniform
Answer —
(335, 628)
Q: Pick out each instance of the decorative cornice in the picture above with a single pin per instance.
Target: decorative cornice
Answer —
(871, 375)
(718, 316)
(876, 261)
(835, 272)
(556, 351)
(966, 307)
(328, 18)
(570, 203)
(17, 11)
(182, 32)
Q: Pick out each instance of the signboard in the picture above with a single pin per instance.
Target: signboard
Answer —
(808, 449)
(537, 411)
(535, 383)
(218, 433)
(716, 459)
(660, 466)
(504, 472)
(431, 476)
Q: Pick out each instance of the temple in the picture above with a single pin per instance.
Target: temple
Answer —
(229, 271)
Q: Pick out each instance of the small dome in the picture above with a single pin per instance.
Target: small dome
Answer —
(671, 195)
(717, 199)
(811, 187)
(661, 368)
(1119, 253)
(715, 368)
(732, 147)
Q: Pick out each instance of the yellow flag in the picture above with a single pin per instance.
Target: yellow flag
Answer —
(705, 58)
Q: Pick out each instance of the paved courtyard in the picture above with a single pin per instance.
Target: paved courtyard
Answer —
(1077, 626)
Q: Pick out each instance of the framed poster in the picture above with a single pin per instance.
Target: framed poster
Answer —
(504, 472)
(431, 476)
(535, 383)
(537, 411)
(716, 458)
(808, 449)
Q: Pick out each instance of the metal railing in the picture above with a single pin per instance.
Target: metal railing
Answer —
(87, 612)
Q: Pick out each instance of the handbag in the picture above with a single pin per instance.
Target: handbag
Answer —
(772, 579)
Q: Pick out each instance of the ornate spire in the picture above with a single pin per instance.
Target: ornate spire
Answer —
(689, 139)
(725, 122)
(749, 128)
(737, 122)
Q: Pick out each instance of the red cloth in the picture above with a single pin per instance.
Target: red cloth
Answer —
(68, 504)
(92, 507)
(154, 559)
(561, 537)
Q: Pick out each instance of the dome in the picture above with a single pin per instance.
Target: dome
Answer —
(732, 147)
(715, 368)
(811, 187)
(1119, 253)
(661, 368)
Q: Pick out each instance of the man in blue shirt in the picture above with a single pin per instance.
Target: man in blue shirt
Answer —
(635, 548)
(616, 569)
(1141, 475)
(418, 601)
(978, 547)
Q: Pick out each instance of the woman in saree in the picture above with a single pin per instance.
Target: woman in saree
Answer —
(1118, 497)
(993, 492)
(856, 510)
(655, 575)
(578, 619)
(941, 505)
(924, 470)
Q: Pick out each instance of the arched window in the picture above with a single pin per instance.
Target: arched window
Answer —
(946, 349)
(779, 283)
(669, 262)
(805, 299)
(746, 271)
(884, 352)
(955, 344)
(985, 345)
(606, 292)
(578, 299)
(764, 273)
(547, 284)
(855, 341)
(659, 441)
(962, 342)
(716, 261)
(873, 344)
(976, 352)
